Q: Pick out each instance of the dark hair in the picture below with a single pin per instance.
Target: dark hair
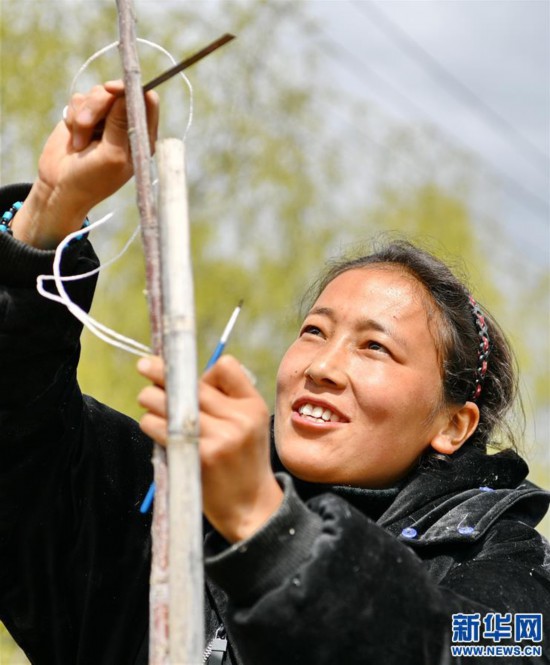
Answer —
(456, 335)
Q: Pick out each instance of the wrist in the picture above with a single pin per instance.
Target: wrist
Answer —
(250, 570)
(7, 218)
(245, 521)
(46, 218)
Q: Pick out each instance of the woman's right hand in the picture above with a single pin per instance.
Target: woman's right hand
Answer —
(76, 170)
(239, 490)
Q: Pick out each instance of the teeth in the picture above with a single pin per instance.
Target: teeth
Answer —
(318, 412)
(306, 410)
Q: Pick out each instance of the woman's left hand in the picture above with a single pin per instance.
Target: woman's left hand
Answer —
(79, 168)
(240, 492)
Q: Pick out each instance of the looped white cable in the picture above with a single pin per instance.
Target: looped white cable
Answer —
(98, 329)
(154, 45)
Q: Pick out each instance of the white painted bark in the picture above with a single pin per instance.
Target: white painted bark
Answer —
(186, 587)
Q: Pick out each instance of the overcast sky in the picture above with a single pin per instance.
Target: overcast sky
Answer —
(477, 69)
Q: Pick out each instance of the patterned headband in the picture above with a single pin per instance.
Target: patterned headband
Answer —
(483, 348)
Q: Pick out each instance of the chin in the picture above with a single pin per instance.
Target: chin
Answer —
(305, 469)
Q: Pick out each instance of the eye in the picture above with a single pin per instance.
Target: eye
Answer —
(376, 346)
(311, 330)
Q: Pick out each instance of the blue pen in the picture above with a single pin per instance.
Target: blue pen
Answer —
(217, 353)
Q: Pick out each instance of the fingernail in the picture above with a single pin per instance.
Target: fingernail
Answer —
(144, 365)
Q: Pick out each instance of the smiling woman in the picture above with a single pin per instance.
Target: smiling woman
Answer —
(328, 537)
(387, 504)
(462, 334)
(367, 353)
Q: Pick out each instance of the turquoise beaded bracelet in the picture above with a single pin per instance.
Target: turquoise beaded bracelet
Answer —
(7, 217)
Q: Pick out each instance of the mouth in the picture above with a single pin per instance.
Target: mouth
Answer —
(318, 412)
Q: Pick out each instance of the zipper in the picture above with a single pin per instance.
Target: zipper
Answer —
(214, 654)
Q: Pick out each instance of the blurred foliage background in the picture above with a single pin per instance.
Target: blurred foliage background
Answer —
(278, 184)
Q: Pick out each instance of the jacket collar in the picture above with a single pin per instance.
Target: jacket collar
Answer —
(455, 500)
(460, 498)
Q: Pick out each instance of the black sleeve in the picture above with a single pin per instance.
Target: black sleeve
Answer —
(39, 352)
(74, 548)
(322, 584)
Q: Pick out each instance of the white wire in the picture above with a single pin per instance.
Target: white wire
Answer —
(154, 45)
(100, 330)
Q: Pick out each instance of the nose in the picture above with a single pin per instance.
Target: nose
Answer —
(327, 368)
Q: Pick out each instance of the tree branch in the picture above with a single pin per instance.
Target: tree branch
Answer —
(141, 157)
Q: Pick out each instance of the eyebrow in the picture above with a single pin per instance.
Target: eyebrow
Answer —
(363, 324)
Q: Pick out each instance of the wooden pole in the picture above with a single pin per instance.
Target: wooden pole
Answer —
(185, 511)
(141, 157)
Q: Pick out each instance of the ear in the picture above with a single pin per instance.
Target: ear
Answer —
(458, 428)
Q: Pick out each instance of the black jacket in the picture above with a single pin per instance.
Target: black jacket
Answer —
(338, 575)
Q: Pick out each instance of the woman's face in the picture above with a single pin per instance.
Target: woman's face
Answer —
(359, 391)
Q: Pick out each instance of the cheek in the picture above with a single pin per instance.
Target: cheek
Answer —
(288, 371)
(282, 378)
(413, 417)
(399, 401)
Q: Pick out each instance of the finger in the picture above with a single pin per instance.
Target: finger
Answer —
(115, 129)
(152, 368)
(214, 402)
(222, 442)
(116, 125)
(117, 132)
(153, 112)
(230, 377)
(114, 87)
(239, 418)
(154, 427)
(88, 112)
(153, 399)
(72, 107)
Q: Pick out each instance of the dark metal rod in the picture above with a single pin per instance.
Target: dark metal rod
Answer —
(176, 69)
